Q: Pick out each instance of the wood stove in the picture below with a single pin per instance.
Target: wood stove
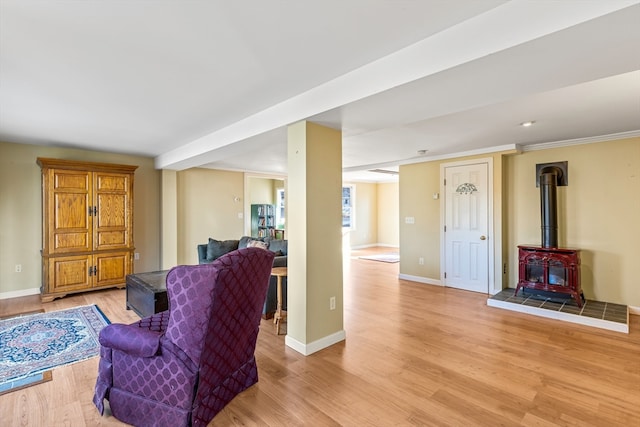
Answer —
(555, 270)
(548, 269)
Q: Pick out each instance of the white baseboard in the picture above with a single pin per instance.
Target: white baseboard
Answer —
(420, 279)
(20, 293)
(322, 343)
(634, 310)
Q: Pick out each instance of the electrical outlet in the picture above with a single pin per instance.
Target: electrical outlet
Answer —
(332, 303)
(421, 261)
(18, 268)
(136, 256)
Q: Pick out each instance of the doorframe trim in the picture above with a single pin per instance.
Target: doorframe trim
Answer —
(490, 218)
(246, 193)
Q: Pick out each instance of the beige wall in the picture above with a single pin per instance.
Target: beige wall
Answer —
(597, 212)
(21, 211)
(418, 183)
(365, 232)
(261, 191)
(209, 202)
(376, 215)
(422, 238)
(388, 214)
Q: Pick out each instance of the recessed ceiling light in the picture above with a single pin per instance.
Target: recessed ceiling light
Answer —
(527, 124)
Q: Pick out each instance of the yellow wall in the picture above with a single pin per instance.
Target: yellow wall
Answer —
(376, 215)
(261, 191)
(209, 202)
(598, 212)
(388, 214)
(21, 211)
(422, 238)
(418, 183)
(366, 210)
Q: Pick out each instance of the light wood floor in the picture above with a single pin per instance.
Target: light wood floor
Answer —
(415, 354)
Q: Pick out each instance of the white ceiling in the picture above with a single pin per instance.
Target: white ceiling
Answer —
(215, 83)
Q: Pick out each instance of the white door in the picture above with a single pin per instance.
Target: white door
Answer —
(466, 236)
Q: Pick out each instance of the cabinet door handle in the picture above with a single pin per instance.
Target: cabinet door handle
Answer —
(90, 210)
(95, 270)
(95, 211)
(90, 271)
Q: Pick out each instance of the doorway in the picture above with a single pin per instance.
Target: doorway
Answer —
(467, 243)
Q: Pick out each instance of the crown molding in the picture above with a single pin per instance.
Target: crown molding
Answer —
(580, 141)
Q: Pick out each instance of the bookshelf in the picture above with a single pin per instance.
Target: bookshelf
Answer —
(263, 220)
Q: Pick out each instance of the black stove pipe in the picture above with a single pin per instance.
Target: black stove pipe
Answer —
(549, 178)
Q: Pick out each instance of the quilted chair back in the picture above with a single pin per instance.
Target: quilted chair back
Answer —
(232, 330)
(182, 366)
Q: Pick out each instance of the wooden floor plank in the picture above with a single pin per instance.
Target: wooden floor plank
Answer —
(415, 355)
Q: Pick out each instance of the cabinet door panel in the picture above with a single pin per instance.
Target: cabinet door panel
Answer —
(112, 182)
(113, 221)
(112, 238)
(68, 206)
(69, 273)
(111, 210)
(112, 268)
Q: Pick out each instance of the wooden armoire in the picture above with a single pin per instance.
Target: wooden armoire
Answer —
(87, 220)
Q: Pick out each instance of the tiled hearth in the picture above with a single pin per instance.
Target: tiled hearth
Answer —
(605, 315)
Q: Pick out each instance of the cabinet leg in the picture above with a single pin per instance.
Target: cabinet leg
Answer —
(49, 298)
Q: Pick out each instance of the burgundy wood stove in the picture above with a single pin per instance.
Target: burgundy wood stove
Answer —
(548, 269)
(554, 270)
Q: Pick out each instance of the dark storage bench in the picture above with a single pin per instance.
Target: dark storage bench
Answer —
(147, 293)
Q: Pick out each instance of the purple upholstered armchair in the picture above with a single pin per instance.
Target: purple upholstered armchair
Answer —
(182, 366)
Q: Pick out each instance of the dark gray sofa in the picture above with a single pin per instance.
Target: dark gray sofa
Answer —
(213, 249)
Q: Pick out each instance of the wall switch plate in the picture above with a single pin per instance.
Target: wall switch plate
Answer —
(332, 303)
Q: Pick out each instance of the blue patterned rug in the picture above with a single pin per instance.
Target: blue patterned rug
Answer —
(30, 345)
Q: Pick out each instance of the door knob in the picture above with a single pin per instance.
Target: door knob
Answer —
(483, 237)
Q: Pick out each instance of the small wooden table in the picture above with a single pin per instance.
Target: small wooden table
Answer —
(279, 315)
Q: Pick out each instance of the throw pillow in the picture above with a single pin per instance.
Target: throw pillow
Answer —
(244, 240)
(217, 248)
(276, 245)
(257, 244)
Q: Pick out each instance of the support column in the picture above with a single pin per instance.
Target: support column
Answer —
(169, 220)
(314, 234)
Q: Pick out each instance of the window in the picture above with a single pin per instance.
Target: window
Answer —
(280, 208)
(348, 207)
